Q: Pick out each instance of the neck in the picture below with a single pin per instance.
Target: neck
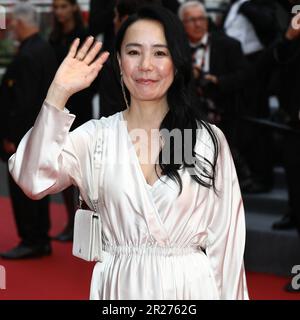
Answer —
(68, 26)
(195, 42)
(28, 32)
(146, 114)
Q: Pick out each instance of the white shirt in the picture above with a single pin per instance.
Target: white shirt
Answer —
(239, 27)
(201, 54)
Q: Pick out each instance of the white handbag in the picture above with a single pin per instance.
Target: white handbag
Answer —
(87, 239)
(87, 242)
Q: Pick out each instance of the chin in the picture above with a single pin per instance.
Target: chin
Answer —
(61, 20)
(148, 97)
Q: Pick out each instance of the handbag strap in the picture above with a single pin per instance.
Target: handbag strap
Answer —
(97, 158)
(96, 166)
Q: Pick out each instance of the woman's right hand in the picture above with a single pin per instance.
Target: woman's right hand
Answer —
(76, 72)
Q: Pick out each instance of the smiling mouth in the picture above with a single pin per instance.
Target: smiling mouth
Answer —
(145, 81)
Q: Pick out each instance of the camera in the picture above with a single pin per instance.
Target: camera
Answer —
(201, 81)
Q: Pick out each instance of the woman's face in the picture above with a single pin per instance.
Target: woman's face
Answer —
(145, 61)
(63, 10)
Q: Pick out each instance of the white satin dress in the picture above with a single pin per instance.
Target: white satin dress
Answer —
(157, 245)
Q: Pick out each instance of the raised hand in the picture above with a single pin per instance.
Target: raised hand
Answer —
(76, 72)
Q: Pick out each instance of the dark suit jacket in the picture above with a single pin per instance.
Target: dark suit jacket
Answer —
(172, 5)
(262, 15)
(101, 21)
(228, 63)
(24, 87)
(287, 55)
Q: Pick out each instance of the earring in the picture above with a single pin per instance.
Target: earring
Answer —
(123, 91)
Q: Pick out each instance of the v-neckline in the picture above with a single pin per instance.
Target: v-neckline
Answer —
(158, 180)
(157, 228)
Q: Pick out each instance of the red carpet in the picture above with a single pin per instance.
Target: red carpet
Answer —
(62, 276)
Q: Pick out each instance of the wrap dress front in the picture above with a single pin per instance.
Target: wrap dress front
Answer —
(157, 244)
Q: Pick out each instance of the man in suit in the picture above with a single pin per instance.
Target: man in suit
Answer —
(286, 54)
(218, 62)
(220, 72)
(255, 24)
(22, 92)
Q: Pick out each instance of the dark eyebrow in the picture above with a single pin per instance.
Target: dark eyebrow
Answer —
(134, 44)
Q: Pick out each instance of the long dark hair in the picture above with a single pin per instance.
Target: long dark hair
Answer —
(183, 113)
(57, 32)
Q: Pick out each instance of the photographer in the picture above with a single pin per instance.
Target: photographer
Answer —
(218, 63)
(286, 54)
(22, 90)
(220, 73)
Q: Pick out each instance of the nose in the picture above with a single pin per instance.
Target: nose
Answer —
(198, 23)
(146, 62)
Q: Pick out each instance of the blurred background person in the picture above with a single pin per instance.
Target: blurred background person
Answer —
(220, 70)
(172, 5)
(101, 21)
(255, 24)
(68, 25)
(23, 89)
(286, 54)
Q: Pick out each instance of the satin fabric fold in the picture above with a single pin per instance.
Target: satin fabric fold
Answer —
(158, 245)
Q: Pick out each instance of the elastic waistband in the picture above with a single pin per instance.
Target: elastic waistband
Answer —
(147, 249)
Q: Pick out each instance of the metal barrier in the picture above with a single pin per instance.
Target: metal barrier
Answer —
(271, 125)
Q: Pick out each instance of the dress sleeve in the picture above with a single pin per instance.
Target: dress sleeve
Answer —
(49, 158)
(226, 228)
